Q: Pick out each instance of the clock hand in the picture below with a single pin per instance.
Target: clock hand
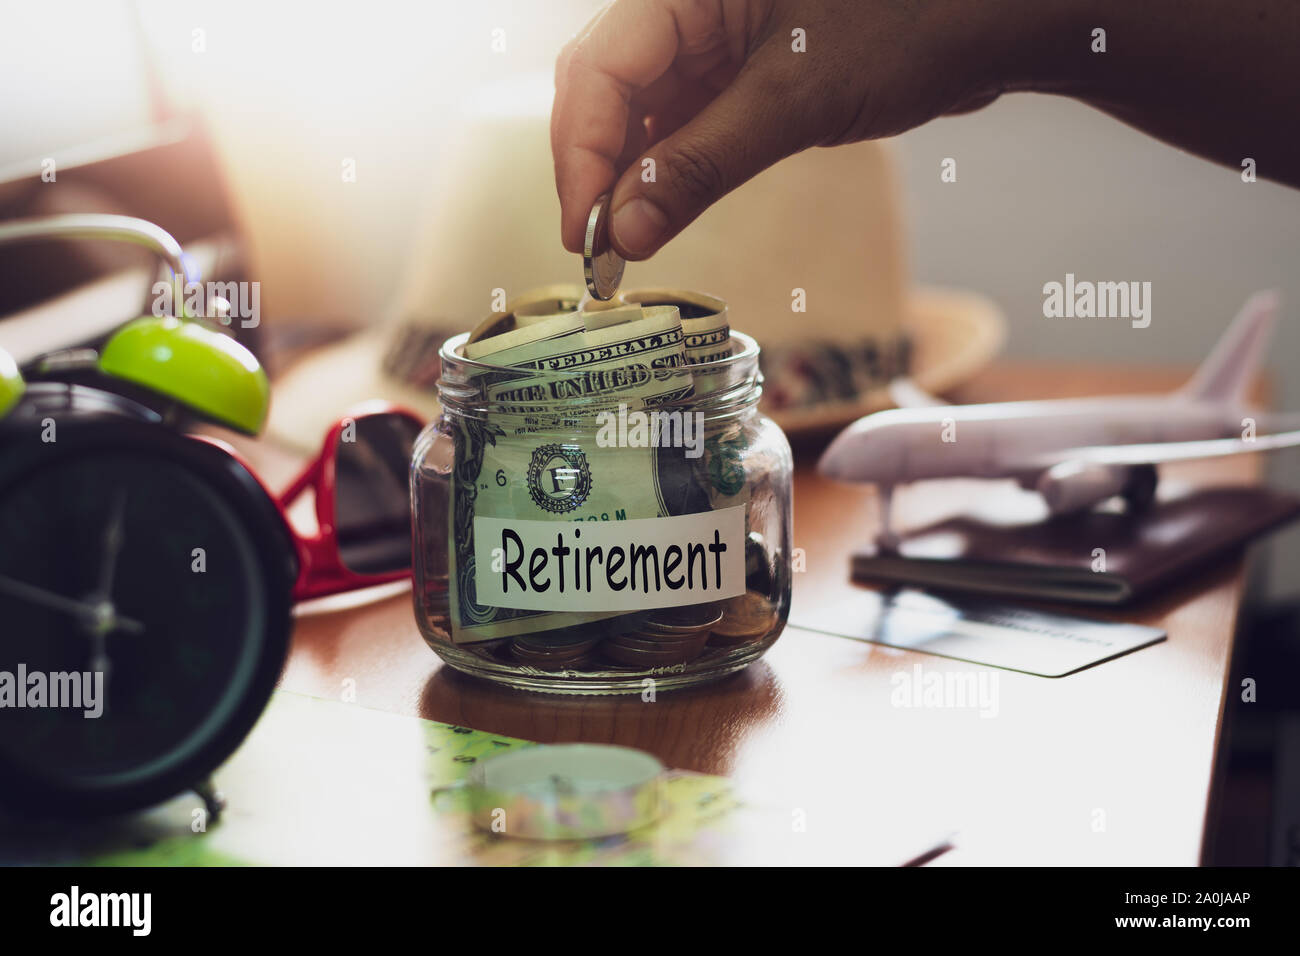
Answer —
(112, 547)
(105, 619)
(57, 602)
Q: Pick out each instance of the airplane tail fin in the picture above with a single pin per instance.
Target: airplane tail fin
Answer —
(1227, 372)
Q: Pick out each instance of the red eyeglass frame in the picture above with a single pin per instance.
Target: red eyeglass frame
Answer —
(320, 569)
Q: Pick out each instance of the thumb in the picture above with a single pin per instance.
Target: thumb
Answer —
(746, 128)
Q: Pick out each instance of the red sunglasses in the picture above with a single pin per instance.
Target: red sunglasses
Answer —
(360, 480)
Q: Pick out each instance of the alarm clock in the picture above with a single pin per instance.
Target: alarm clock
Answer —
(146, 575)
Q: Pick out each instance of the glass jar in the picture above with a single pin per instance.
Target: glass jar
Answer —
(587, 540)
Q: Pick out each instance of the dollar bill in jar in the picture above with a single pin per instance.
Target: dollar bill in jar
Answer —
(590, 426)
(704, 320)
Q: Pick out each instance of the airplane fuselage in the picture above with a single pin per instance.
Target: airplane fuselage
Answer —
(1014, 439)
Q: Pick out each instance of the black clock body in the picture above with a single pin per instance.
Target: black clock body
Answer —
(150, 563)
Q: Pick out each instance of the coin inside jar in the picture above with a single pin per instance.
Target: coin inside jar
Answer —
(601, 265)
(639, 649)
(687, 617)
(744, 618)
(664, 637)
(553, 653)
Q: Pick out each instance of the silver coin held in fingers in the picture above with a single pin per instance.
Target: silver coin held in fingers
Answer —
(601, 265)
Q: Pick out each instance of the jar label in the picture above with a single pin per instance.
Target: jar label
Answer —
(629, 565)
(519, 476)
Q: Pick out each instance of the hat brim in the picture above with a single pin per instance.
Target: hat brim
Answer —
(953, 334)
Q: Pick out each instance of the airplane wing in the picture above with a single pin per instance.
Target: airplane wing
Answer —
(1156, 453)
(905, 393)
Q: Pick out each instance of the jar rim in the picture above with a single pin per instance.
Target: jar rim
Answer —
(750, 350)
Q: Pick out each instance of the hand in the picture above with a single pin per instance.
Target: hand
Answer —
(714, 91)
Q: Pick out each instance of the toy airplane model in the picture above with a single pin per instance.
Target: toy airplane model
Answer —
(1075, 452)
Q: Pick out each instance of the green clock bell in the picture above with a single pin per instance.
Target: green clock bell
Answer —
(145, 574)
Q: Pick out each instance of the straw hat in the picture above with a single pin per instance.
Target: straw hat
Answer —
(808, 255)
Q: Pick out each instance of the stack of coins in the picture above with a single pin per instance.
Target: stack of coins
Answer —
(555, 652)
(664, 637)
(747, 617)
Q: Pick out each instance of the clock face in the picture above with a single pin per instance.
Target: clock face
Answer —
(136, 591)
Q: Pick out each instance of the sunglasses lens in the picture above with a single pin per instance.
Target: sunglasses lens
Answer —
(373, 517)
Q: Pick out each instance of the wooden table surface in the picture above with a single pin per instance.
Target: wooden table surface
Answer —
(1112, 765)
